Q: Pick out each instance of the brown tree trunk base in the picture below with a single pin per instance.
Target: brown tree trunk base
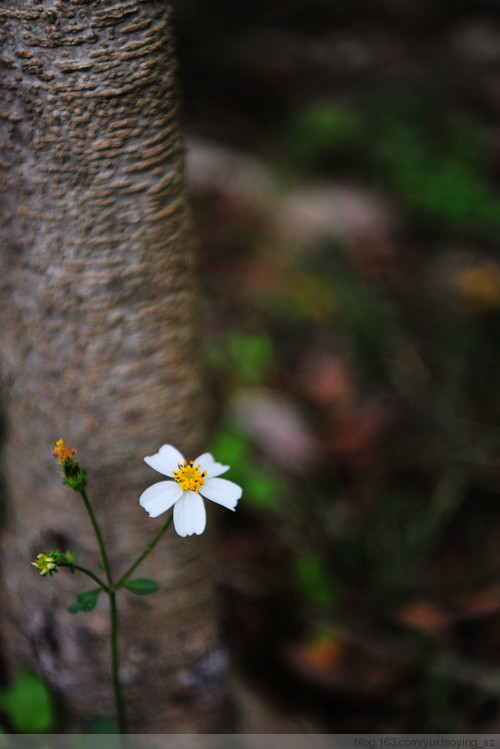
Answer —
(99, 347)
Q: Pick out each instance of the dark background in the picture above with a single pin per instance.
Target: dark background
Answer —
(343, 164)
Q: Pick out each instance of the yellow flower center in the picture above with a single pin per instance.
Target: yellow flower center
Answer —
(189, 476)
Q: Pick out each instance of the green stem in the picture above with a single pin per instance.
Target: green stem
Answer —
(144, 554)
(107, 568)
(92, 576)
(115, 659)
(113, 613)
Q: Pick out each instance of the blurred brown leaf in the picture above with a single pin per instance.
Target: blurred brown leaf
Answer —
(276, 423)
(477, 604)
(335, 664)
(326, 381)
(425, 617)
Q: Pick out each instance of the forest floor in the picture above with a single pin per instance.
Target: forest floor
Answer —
(344, 174)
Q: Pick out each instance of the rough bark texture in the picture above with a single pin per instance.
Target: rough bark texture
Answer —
(99, 347)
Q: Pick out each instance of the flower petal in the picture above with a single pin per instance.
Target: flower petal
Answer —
(166, 460)
(208, 464)
(160, 497)
(222, 491)
(190, 515)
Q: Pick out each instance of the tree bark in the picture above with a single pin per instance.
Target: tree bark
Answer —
(99, 347)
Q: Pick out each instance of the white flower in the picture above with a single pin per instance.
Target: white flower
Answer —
(183, 493)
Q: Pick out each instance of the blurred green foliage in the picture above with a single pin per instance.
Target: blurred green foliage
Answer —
(246, 358)
(439, 177)
(252, 356)
(315, 581)
(366, 318)
(28, 705)
(393, 543)
(264, 488)
(320, 131)
(433, 161)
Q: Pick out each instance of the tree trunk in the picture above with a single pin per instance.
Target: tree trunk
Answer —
(99, 347)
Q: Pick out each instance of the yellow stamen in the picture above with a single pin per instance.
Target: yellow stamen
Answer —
(189, 476)
(62, 453)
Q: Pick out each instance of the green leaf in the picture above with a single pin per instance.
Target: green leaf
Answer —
(263, 490)
(319, 131)
(252, 357)
(84, 602)
(231, 446)
(314, 581)
(27, 704)
(141, 587)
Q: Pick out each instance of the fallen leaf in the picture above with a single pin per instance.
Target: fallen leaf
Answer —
(276, 424)
(425, 617)
(477, 604)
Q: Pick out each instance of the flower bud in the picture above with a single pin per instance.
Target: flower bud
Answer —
(74, 476)
(48, 563)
